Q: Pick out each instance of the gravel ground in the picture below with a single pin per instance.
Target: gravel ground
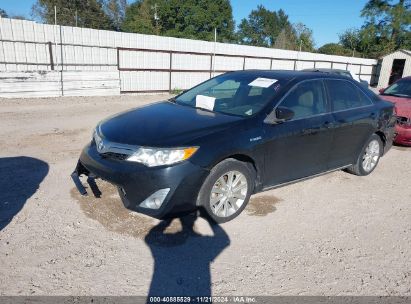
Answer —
(333, 235)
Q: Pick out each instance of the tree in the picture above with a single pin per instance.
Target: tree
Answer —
(116, 11)
(194, 19)
(351, 40)
(262, 27)
(334, 49)
(286, 39)
(390, 21)
(268, 28)
(86, 13)
(139, 18)
(304, 37)
(3, 13)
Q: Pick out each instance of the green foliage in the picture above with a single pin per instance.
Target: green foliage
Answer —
(176, 91)
(304, 37)
(3, 13)
(286, 39)
(194, 19)
(268, 28)
(351, 40)
(90, 13)
(387, 27)
(334, 49)
(260, 28)
(139, 18)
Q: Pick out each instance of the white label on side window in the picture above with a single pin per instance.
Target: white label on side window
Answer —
(262, 82)
(205, 102)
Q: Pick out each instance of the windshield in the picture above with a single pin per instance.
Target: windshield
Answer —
(401, 88)
(233, 93)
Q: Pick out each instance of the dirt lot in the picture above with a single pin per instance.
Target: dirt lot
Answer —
(333, 235)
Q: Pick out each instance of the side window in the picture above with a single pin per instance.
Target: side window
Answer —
(306, 99)
(344, 95)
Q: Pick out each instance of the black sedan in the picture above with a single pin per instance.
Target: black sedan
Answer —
(240, 133)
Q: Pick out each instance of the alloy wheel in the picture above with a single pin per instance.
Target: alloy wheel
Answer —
(371, 156)
(228, 193)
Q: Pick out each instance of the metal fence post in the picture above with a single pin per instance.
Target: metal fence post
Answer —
(51, 55)
(211, 64)
(62, 62)
(171, 67)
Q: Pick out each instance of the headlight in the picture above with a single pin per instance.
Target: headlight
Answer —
(152, 157)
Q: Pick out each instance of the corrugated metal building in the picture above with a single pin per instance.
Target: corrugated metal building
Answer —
(393, 67)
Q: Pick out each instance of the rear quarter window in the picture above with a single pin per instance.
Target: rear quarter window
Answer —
(345, 95)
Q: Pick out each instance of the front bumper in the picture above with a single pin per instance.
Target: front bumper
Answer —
(403, 135)
(136, 181)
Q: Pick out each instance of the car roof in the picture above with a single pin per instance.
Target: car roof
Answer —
(405, 78)
(326, 70)
(288, 75)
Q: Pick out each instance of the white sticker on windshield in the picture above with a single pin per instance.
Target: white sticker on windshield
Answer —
(262, 82)
(205, 102)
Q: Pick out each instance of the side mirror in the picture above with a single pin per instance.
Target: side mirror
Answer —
(381, 90)
(281, 114)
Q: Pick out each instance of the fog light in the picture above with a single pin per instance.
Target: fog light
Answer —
(155, 200)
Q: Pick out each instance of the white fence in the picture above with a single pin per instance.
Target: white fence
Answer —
(148, 63)
(54, 83)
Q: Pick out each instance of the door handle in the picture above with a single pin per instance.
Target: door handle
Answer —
(328, 124)
(373, 115)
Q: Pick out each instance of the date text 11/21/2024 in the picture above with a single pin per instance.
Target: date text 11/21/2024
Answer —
(202, 299)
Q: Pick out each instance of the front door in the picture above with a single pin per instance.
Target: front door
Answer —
(299, 147)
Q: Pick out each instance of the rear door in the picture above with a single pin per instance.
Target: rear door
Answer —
(355, 118)
(299, 147)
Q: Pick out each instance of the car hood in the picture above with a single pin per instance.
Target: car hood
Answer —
(164, 124)
(402, 105)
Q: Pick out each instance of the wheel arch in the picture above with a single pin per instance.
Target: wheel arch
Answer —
(382, 136)
(248, 159)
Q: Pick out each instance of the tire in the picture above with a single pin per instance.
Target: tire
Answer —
(216, 197)
(370, 151)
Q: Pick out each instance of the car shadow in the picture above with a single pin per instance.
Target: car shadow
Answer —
(401, 147)
(182, 259)
(19, 179)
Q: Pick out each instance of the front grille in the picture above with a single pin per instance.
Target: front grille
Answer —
(116, 156)
(403, 121)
